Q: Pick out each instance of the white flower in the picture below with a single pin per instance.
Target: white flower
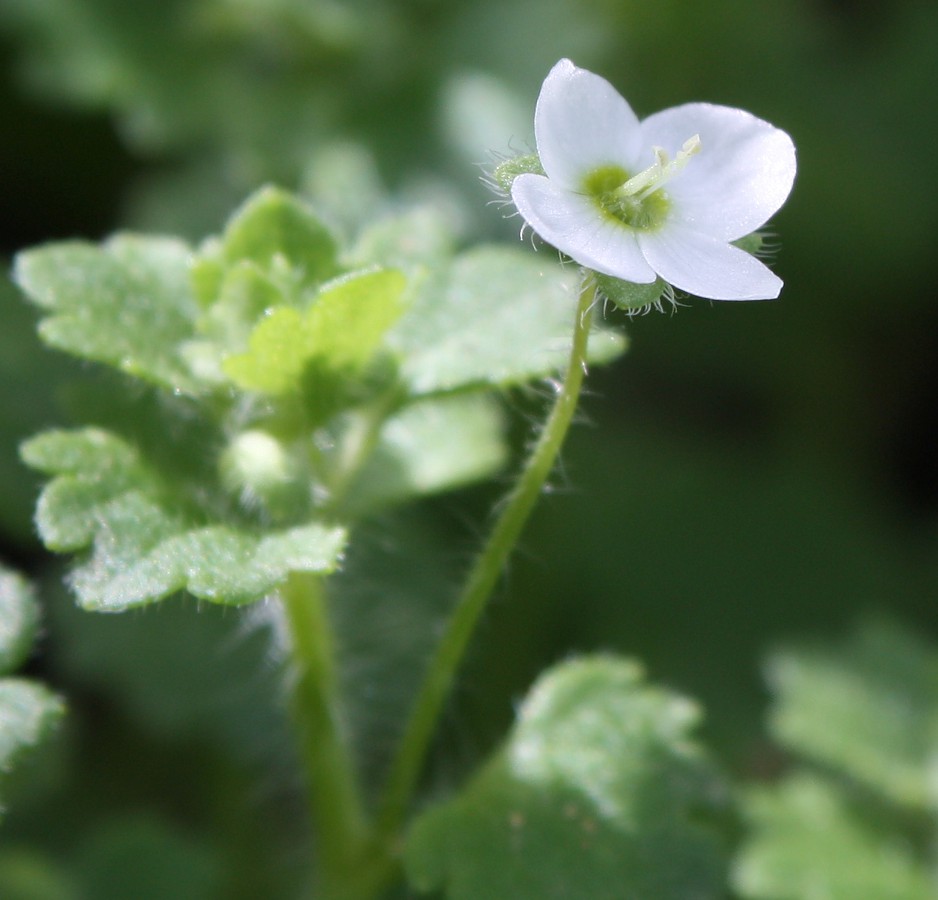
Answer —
(663, 197)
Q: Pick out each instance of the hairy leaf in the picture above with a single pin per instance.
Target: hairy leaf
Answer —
(126, 303)
(494, 317)
(19, 617)
(430, 446)
(146, 542)
(598, 793)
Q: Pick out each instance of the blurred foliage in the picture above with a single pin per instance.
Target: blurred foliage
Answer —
(598, 793)
(749, 474)
(862, 826)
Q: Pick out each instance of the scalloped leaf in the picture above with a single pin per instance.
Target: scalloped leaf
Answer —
(430, 446)
(28, 712)
(19, 618)
(326, 347)
(869, 709)
(274, 229)
(598, 794)
(494, 317)
(808, 842)
(145, 543)
(126, 303)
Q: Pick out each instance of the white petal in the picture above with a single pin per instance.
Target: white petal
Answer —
(707, 267)
(573, 224)
(581, 123)
(740, 177)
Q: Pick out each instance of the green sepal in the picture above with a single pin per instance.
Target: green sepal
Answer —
(146, 540)
(631, 296)
(598, 794)
(504, 174)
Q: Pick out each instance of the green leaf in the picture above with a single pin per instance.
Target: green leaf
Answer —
(327, 349)
(19, 617)
(275, 231)
(598, 794)
(145, 541)
(28, 712)
(430, 446)
(494, 317)
(808, 842)
(126, 303)
(870, 709)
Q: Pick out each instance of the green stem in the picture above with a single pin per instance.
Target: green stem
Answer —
(406, 766)
(334, 798)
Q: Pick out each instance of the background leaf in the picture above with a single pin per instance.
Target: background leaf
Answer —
(598, 793)
(495, 317)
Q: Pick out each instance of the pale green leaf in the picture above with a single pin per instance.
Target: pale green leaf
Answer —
(19, 617)
(430, 446)
(496, 316)
(329, 347)
(807, 842)
(126, 303)
(598, 794)
(869, 709)
(275, 230)
(28, 711)
(146, 542)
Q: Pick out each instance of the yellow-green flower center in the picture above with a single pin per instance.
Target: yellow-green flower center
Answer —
(638, 201)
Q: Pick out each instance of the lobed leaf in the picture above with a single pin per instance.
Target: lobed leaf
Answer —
(808, 842)
(496, 317)
(145, 541)
(326, 347)
(273, 229)
(869, 710)
(597, 794)
(126, 303)
(430, 446)
(19, 618)
(28, 712)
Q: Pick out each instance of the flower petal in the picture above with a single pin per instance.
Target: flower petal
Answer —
(741, 176)
(581, 123)
(706, 266)
(575, 226)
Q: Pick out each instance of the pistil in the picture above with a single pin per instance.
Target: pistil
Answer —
(646, 182)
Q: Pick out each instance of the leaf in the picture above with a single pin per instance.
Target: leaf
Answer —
(327, 349)
(869, 709)
(126, 303)
(807, 842)
(597, 794)
(145, 542)
(274, 229)
(494, 317)
(19, 618)
(430, 446)
(28, 712)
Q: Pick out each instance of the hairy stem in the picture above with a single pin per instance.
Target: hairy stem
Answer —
(482, 578)
(333, 792)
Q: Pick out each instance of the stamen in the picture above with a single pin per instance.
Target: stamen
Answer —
(660, 172)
